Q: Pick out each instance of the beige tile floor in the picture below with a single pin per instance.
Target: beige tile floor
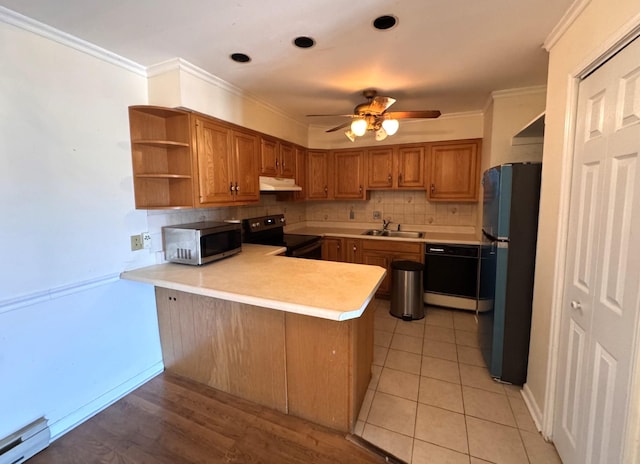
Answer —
(431, 399)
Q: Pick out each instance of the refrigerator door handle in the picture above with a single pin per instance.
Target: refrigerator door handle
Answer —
(491, 238)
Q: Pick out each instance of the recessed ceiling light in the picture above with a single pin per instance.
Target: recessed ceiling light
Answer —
(240, 57)
(385, 22)
(304, 42)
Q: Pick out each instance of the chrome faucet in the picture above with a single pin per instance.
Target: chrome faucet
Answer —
(385, 223)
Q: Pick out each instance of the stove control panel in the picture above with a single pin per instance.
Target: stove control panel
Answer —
(264, 223)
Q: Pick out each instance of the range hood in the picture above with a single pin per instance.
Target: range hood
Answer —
(278, 184)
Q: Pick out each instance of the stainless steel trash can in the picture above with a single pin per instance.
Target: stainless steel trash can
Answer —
(406, 290)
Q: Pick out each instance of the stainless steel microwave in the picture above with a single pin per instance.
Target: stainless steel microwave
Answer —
(201, 242)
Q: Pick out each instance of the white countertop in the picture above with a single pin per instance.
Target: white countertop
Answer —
(356, 232)
(256, 276)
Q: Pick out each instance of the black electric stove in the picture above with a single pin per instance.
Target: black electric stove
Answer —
(269, 230)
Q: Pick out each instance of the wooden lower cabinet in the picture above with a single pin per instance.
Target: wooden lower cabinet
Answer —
(373, 252)
(309, 367)
(333, 249)
(384, 252)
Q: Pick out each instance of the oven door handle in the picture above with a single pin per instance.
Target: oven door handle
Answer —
(306, 249)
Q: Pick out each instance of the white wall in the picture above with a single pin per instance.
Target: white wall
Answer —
(512, 110)
(600, 23)
(179, 83)
(73, 337)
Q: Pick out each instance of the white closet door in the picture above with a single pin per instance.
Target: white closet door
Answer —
(601, 301)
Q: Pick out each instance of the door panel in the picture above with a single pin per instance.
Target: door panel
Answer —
(601, 303)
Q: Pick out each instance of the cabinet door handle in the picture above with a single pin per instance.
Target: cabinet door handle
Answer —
(326, 189)
(338, 246)
(277, 162)
(433, 188)
(361, 189)
(389, 178)
(355, 248)
(231, 187)
(237, 188)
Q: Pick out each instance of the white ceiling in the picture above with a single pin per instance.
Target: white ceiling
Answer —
(447, 55)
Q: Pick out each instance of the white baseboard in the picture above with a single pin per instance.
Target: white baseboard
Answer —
(532, 406)
(89, 410)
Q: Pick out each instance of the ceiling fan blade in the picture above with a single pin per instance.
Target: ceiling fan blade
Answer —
(341, 126)
(413, 114)
(380, 104)
(329, 115)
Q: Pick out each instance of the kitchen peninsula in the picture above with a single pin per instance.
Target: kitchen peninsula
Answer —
(292, 334)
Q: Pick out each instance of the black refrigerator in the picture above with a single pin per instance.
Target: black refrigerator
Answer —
(507, 265)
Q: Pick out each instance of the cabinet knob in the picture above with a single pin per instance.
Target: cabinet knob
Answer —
(389, 178)
(355, 248)
(326, 189)
(361, 189)
(237, 188)
(231, 187)
(277, 162)
(433, 188)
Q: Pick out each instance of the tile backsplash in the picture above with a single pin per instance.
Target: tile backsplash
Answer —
(406, 208)
(409, 208)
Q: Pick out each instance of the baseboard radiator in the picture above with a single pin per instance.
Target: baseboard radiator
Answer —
(23, 444)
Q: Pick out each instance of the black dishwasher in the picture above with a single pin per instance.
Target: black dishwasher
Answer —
(451, 275)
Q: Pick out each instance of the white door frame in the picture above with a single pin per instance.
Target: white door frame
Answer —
(624, 35)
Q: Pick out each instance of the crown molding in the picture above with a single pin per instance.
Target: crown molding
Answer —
(179, 64)
(31, 25)
(576, 8)
(519, 92)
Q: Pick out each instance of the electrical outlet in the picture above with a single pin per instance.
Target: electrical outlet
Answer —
(136, 242)
(377, 215)
(146, 240)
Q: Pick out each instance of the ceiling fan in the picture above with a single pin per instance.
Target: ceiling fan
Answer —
(373, 116)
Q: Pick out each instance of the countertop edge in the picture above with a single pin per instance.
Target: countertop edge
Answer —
(150, 275)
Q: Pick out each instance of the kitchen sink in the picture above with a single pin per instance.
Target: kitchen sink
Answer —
(393, 233)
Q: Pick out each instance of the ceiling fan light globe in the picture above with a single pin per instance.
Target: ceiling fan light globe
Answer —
(359, 127)
(390, 126)
(381, 134)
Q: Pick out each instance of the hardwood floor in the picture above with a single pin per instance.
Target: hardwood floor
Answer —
(174, 420)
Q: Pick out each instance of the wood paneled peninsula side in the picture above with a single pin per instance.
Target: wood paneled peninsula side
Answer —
(292, 334)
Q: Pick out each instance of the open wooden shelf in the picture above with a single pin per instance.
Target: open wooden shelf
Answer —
(162, 157)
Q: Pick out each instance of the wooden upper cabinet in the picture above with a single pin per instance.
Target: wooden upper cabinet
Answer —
(317, 175)
(380, 168)
(161, 154)
(268, 156)
(215, 168)
(453, 173)
(410, 162)
(301, 172)
(396, 167)
(287, 161)
(348, 175)
(245, 165)
(277, 159)
(227, 164)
